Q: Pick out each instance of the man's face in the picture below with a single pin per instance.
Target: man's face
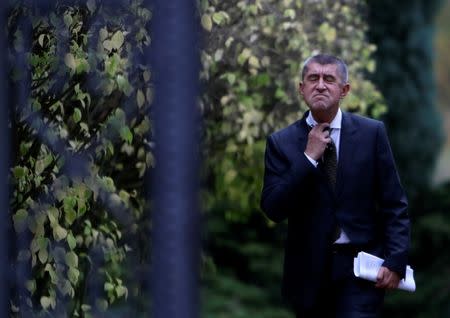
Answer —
(322, 88)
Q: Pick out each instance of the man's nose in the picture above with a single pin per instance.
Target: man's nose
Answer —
(321, 85)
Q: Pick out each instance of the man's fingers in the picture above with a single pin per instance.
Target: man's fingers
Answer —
(387, 279)
(321, 132)
(322, 127)
(381, 278)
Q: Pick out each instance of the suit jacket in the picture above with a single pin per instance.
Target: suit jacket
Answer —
(369, 202)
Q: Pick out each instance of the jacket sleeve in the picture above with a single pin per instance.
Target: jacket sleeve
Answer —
(393, 206)
(284, 179)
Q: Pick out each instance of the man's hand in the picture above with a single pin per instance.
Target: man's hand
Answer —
(318, 139)
(387, 278)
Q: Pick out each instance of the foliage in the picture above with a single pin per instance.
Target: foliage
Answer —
(251, 70)
(429, 256)
(442, 70)
(81, 126)
(442, 66)
(405, 51)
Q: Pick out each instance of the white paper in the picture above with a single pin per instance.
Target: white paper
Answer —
(366, 266)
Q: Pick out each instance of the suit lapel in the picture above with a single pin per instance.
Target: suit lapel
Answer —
(303, 131)
(346, 150)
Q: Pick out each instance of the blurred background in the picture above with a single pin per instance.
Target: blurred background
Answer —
(81, 237)
(441, 67)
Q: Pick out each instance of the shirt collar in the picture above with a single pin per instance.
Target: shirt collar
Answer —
(335, 123)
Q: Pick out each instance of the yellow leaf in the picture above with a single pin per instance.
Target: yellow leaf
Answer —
(103, 34)
(253, 61)
(45, 302)
(69, 59)
(140, 98)
(59, 233)
(206, 22)
(117, 39)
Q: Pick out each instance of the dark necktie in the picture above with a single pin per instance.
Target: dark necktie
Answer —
(329, 166)
(330, 163)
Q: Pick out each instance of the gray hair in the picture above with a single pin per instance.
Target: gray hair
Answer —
(325, 59)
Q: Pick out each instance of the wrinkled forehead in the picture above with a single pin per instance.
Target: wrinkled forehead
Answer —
(322, 69)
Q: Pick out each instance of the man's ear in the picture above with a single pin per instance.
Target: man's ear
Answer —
(300, 88)
(345, 89)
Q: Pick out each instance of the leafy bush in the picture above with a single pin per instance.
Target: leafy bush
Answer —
(81, 125)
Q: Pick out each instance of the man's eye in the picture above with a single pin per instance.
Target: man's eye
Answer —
(313, 78)
(329, 79)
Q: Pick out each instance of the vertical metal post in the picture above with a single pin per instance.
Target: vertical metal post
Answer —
(4, 169)
(175, 214)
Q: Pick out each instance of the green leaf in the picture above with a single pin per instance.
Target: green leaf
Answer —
(43, 255)
(31, 285)
(220, 18)
(59, 233)
(290, 13)
(108, 286)
(84, 127)
(117, 40)
(82, 66)
(81, 207)
(19, 172)
(69, 202)
(71, 259)
(108, 45)
(68, 20)
(206, 22)
(244, 56)
(39, 166)
(140, 98)
(253, 61)
(45, 302)
(112, 65)
(70, 216)
(76, 115)
(108, 184)
(42, 243)
(53, 215)
(69, 59)
(124, 84)
(73, 274)
(121, 291)
(71, 241)
(126, 134)
(51, 272)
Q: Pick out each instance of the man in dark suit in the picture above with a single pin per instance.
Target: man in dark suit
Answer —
(332, 175)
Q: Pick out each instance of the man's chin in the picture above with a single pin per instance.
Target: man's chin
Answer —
(320, 107)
